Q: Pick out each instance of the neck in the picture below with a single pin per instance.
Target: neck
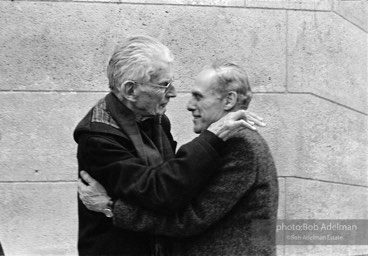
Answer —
(138, 116)
(129, 105)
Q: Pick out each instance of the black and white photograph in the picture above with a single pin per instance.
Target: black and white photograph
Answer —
(184, 127)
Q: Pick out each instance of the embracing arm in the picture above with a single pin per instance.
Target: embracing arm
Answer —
(235, 178)
(155, 187)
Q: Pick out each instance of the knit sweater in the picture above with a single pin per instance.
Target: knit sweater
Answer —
(235, 213)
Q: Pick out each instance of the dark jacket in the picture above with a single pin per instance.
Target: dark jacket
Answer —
(1, 250)
(130, 164)
(235, 214)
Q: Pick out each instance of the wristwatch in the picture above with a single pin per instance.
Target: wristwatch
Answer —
(108, 210)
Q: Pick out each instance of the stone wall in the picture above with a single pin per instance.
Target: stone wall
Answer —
(307, 60)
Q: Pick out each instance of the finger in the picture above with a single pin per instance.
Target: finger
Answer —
(250, 126)
(255, 116)
(87, 178)
(85, 200)
(242, 123)
(81, 197)
(256, 121)
(81, 186)
(242, 115)
(238, 115)
(224, 135)
(233, 129)
(227, 136)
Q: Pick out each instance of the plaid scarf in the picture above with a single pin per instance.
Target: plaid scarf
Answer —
(148, 137)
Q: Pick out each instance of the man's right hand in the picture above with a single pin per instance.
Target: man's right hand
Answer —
(93, 195)
(229, 125)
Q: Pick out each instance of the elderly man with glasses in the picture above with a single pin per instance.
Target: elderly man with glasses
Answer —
(124, 142)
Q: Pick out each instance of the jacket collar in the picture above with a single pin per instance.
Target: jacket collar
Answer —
(126, 120)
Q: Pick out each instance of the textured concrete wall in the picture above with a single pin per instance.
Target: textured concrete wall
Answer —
(307, 60)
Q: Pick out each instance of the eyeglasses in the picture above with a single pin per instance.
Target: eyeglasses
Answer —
(164, 85)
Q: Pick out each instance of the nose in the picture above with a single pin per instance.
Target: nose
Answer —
(170, 92)
(190, 105)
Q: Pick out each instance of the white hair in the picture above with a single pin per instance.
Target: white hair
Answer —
(136, 59)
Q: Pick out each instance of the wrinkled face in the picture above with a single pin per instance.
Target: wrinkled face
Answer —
(152, 97)
(205, 104)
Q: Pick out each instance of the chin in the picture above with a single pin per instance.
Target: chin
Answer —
(161, 111)
(197, 130)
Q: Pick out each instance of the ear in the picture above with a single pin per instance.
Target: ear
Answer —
(230, 100)
(128, 91)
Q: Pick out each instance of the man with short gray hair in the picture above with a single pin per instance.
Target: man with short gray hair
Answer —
(235, 213)
(124, 143)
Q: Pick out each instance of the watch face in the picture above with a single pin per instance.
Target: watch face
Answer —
(108, 213)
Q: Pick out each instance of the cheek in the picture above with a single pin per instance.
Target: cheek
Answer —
(152, 98)
(207, 109)
(157, 95)
(212, 112)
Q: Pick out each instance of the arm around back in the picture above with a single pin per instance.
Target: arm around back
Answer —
(169, 185)
(235, 178)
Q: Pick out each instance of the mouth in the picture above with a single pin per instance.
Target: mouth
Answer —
(196, 117)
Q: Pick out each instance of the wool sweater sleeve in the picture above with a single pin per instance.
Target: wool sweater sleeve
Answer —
(169, 185)
(235, 178)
